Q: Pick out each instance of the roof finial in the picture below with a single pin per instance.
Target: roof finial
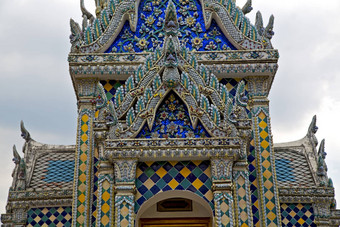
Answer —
(247, 8)
(269, 29)
(171, 23)
(24, 133)
(259, 23)
(86, 13)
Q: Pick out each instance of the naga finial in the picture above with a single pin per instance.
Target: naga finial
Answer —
(19, 172)
(171, 23)
(268, 33)
(247, 8)
(312, 127)
(24, 133)
(259, 23)
(86, 14)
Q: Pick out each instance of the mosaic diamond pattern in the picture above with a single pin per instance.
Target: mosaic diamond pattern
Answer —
(225, 214)
(82, 184)
(292, 169)
(105, 203)
(49, 216)
(53, 171)
(155, 177)
(95, 186)
(242, 201)
(110, 87)
(267, 176)
(124, 214)
(253, 183)
(297, 215)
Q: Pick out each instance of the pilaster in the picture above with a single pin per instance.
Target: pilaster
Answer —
(269, 205)
(221, 169)
(82, 189)
(125, 175)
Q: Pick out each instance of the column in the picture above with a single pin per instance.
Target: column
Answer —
(82, 189)
(125, 174)
(269, 206)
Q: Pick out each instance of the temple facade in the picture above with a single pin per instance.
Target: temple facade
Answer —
(173, 128)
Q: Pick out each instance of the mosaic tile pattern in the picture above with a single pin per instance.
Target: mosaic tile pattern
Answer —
(110, 87)
(49, 217)
(224, 209)
(124, 214)
(83, 157)
(95, 186)
(253, 184)
(241, 193)
(266, 170)
(292, 169)
(155, 177)
(106, 202)
(53, 171)
(297, 215)
(124, 206)
(149, 33)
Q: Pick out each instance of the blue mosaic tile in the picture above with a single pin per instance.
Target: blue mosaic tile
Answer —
(59, 171)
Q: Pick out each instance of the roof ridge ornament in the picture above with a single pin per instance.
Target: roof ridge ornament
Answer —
(24, 133)
(247, 8)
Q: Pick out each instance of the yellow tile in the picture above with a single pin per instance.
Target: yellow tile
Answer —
(267, 174)
(106, 185)
(96, 114)
(84, 137)
(84, 128)
(83, 157)
(242, 204)
(82, 187)
(105, 208)
(124, 223)
(284, 206)
(52, 218)
(197, 183)
(81, 198)
(263, 134)
(225, 220)
(266, 164)
(265, 154)
(85, 118)
(108, 86)
(263, 124)
(81, 219)
(269, 195)
(271, 216)
(270, 205)
(105, 220)
(106, 196)
(262, 115)
(82, 178)
(244, 224)
(138, 172)
(124, 211)
(45, 211)
(149, 183)
(185, 172)
(161, 172)
(81, 208)
(60, 210)
(264, 144)
(173, 184)
(37, 219)
(83, 147)
(299, 206)
(301, 221)
(44, 225)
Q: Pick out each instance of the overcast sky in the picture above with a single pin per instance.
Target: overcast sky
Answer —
(35, 85)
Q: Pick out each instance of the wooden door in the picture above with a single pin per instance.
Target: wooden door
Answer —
(175, 222)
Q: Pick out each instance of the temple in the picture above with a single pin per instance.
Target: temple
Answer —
(173, 128)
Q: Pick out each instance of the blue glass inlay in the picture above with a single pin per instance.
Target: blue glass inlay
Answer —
(59, 171)
(284, 172)
(149, 31)
(172, 121)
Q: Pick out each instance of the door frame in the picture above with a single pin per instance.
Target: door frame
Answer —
(197, 222)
